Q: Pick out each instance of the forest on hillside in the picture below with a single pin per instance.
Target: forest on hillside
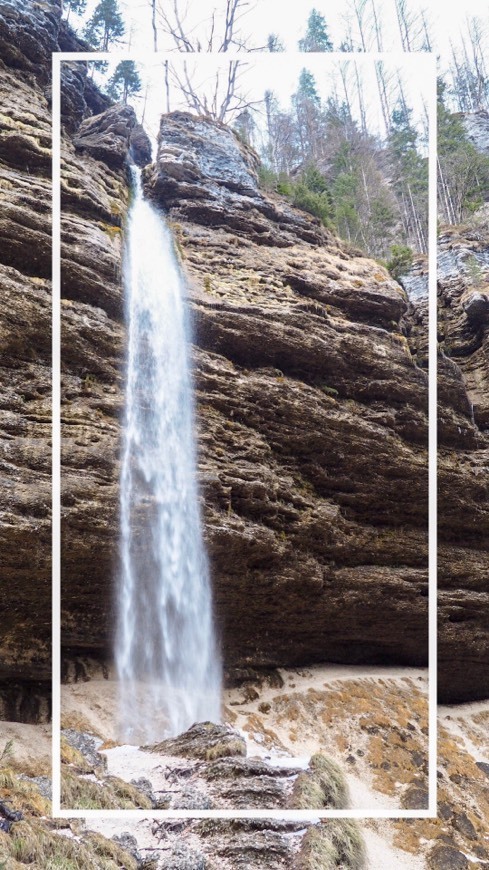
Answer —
(355, 159)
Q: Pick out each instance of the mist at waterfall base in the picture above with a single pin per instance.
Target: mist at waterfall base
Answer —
(166, 654)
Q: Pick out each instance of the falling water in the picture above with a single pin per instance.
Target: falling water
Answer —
(166, 653)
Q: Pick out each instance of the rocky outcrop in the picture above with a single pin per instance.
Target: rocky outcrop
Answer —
(27, 38)
(311, 402)
(463, 330)
(312, 418)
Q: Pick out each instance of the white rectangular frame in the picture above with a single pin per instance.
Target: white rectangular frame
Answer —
(291, 815)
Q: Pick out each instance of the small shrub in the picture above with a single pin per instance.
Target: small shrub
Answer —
(225, 750)
(400, 262)
(317, 204)
(475, 271)
(333, 845)
(323, 786)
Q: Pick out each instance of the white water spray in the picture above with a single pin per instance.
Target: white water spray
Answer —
(166, 654)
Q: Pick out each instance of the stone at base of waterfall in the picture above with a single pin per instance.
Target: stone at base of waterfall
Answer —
(203, 740)
(191, 798)
(447, 858)
(88, 745)
(144, 786)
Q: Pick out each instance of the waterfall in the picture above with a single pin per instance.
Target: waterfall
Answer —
(166, 654)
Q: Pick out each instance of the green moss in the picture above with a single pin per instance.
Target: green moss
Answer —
(329, 391)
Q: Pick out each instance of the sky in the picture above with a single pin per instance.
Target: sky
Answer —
(278, 72)
(288, 19)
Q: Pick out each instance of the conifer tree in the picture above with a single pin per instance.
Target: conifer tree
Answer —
(124, 82)
(106, 25)
(307, 105)
(463, 172)
(76, 6)
(316, 38)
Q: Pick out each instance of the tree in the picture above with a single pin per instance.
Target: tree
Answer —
(97, 66)
(76, 6)
(316, 38)
(106, 25)
(307, 104)
(410, 174)
(183, 24)
(274, 43)
(124, 82)
(245, 126)
(221, 97)
(463, 172)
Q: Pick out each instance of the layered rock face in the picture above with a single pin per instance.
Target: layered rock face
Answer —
(27, 39)
(94, 198)
(463, 327)
(312, 418)
(311, 403)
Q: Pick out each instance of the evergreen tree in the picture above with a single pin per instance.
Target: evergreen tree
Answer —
(274, 43)
(409, 176)
(124, 82)
(105, 26)
(307, 89)
(316, 38)
(99, 66)
(245, 126)
(307, 104)
(463, 172)
(76, 6)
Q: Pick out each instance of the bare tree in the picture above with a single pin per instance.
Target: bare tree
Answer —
(189, 33)
(220, 97)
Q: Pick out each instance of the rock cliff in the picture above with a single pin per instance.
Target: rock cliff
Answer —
(94, 198)
(463, 327)
(312, 417)
(310, 372)
(312, 425)
(27, 39)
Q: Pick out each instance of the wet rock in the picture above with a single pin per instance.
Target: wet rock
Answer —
(143, 785)
(182, 857)
(484, 766)
(191, 799)
(415, 798)
(463, 483)
(107, 137)
(88, 745)
(129, 843)
(140, 146)
(463, 825)
(204, 740)
(44, 784)
(447, 858)
(28, 34)
(476, 307)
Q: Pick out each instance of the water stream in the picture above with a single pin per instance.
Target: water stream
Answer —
(166, 654)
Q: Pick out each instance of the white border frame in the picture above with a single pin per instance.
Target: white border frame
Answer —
(286, 815)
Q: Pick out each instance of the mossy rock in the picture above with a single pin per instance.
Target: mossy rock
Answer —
(322, 786)
(332, 845)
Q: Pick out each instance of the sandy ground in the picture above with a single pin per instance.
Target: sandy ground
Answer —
(92, 706)
(31, 745)
(381, 855)
(468, 724)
